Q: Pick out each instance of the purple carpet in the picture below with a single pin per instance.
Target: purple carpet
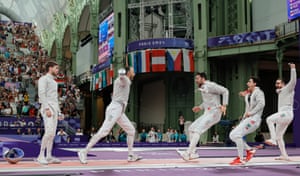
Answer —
(290, 170)
(278, 170)
(204, 153)
(31, 150)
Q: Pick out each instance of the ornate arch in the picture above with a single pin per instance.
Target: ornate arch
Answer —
(84, 24)
(9, 13)
(52, 50)
(66, 29)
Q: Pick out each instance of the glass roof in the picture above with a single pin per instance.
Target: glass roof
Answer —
(38, 12)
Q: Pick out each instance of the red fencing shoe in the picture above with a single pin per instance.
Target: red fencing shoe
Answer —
(237, 161)
(250, 154)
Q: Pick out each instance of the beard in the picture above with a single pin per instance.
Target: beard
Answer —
(199, 84)
(53, 73)
(278, 90)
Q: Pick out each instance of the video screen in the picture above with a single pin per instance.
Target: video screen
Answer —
(106, 41)
(293, 9)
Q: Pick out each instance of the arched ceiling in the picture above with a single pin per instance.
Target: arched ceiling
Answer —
(67, 37)
(53, 51)
(66, 43)
(84, 25)
(38, 12)
(41, 12)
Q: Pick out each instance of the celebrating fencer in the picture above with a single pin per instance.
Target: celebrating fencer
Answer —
(285, 114)
(255, 103)
(115, 113)
(213, 109)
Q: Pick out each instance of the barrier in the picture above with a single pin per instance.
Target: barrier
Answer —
(10, 124)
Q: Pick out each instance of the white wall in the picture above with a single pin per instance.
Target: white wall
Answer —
(152, 107)
(84, 58)
(266, 14)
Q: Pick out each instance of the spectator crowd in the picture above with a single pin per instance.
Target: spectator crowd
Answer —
(153, 135)
(22, 61)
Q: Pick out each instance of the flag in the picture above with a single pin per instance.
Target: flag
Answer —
(104, 83)
(131, 60)
(108, 80)
(143, 61)
(99, 80)
(60, 82)
(158, 61)
(188, 60)
(174, 58)
(111, 73)
(109, 76)
(96, 83)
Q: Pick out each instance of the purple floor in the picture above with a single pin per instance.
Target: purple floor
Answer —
(165, 154)
(171, 153)
(291, 170)
(204, 153)
(278, 170)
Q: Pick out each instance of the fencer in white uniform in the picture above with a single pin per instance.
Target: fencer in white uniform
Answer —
(285, 114)
(50, 111)
(115, 113)
(255, 103)
(213, 109)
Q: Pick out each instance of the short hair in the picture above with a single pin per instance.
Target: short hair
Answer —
(202, 75)
(256, 80)
(50, 64)
(282, 80)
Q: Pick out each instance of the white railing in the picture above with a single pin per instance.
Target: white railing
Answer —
(287, 28)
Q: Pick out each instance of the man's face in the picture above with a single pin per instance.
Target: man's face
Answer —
(199, 80)
(251, 84)
(279, 84)
(54, 70)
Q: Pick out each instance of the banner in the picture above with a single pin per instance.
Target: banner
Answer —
(159, 43)
(251, 37)
(160, 60)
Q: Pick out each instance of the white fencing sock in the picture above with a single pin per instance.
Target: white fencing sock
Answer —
(130, 141)
(193, 143)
